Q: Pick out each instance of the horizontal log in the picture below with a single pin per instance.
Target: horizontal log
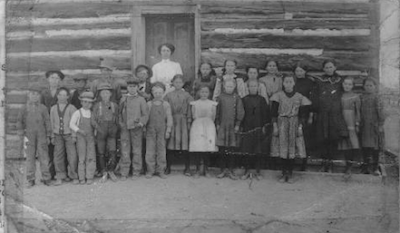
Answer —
(345, 60)
(11, 115)
(69, 44)
(262, 40)
(67, 9)
(222, 16)
(300, 15)
(212, 24)
(88, 59)
(282, 6)
(268, 51)
(182, 2)
(66, 33)
(96, 9)
(62, 22)
(13, 149)
(22, 82)
(76, 26)
(285, 16)
(16, 98)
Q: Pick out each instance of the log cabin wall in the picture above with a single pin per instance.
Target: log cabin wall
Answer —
(72, 35)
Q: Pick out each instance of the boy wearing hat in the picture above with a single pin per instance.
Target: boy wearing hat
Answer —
(81, 124)
(105, 121)
(80, 83)
(48, 95)
(49, 98)
(133, 117)
(33, 122)
(144, 73)
(106, 69)
(158, 130)
(63, 138)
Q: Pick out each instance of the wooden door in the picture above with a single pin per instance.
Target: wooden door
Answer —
(177, 29)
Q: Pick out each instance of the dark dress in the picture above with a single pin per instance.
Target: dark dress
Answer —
(256, 115)
(328, 104)
(372, 116)
(230, 113)
(182, 117)
(306, 87)
(286, 108)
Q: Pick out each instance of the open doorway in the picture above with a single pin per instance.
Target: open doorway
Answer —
(177, 29)
(178, 25)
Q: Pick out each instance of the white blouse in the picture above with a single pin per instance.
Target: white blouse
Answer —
(164, 71)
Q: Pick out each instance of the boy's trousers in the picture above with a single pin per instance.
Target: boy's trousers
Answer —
(155, 149)
(37, 145)
(64, 143)
(87, 156)
(131, 140)
(107, 137)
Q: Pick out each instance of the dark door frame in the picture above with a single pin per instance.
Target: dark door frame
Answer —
(138, 27)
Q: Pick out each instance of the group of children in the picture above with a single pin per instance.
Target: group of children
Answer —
(277, 115)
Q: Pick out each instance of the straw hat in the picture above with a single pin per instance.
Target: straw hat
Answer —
(104, 86)
(87, 96)
(132, 80)
(105, 63)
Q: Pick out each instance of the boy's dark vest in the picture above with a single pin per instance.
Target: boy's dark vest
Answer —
(61, 115)
(101, 111)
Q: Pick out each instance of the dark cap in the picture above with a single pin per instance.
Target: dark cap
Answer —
(139, 67)
(80, 77)
(132, 80)
(59, 73)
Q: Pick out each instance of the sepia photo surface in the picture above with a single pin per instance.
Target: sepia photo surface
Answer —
(199, 115)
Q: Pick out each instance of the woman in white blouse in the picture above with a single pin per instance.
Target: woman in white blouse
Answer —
(166, 69)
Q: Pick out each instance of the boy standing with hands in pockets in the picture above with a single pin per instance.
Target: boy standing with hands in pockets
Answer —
(81, 124)
(133, 117)
(158, 130)
(34, 123)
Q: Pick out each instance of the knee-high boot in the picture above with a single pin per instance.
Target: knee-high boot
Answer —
(103, 168)
(169, 156)
(375, 162)
(206, 162)
(290, 165)
(348, 154)
(366, 161)
(284, 168)
(186, 156)
(112, 162)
